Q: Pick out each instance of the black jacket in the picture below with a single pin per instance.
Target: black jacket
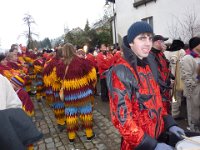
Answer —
(17, 130)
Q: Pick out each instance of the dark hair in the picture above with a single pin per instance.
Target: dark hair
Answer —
(2, 56)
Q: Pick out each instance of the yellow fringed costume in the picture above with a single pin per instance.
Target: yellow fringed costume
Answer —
(78, 84)
(53, 85)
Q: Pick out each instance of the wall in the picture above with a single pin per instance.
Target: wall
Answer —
(164, 12)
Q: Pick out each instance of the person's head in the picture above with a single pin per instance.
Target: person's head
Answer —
(103, 48)
(159, 42)
(176, 45)
(139, 38)
(3, 60)
(12, 55)
(194, 44)
(68, 52)
(58, 51)
(80, 53)
(14, 46)
(17, 82)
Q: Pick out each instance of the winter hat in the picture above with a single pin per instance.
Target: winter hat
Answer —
(159, 37)
(137, 28)
(176, 45)
(17, 80)
(194, 42)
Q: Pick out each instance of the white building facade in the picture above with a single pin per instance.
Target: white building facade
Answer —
(170, 18)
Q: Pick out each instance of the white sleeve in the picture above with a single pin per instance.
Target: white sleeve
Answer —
(12, 100)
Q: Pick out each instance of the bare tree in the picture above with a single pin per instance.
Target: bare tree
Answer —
(186, 27)
(29, 21)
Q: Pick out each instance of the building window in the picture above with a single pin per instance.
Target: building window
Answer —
(149, 20)
(141, 2)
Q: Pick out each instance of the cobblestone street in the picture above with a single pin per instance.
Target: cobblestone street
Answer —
(107, 137)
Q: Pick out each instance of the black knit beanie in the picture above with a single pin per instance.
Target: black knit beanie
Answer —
(137, 28)
(193, 42)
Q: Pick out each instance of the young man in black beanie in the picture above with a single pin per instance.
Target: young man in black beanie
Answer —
(190, 70)
(135, 100)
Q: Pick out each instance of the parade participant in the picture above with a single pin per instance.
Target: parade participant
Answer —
(80, 53)
(136, 104)
(27, 105)
(38, 69)
(53, 85)
(29, 58)
(92, 58)
(104, 62)
(190, 68)
(4, 69)
(79, 79)
(164, 71)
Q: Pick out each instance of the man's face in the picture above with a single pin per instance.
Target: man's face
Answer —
(103, 47)
(197, 48)
(160, 45)
(142, 45)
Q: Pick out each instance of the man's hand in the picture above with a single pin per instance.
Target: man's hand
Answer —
(177, 131)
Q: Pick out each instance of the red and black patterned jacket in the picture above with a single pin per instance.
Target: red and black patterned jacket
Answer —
(135, 102)
(164, 77)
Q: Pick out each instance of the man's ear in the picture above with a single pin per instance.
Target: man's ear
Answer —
(130, 44)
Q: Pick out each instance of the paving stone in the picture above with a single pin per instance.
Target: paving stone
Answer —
(108, 131)
(44, 126)
(42, 147)
(48, 140)
(88, 145)
(101, 146)
(113, 136)
(45, 131)
(61, 148)
(117, 140)
(50, 145)
(56, 139)
(79, 146)
(96, 140)
(57, 144)
(70, 146)
(102, 136)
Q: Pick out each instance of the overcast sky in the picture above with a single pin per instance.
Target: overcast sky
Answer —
(50, 16)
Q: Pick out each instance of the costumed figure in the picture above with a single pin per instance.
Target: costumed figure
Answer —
(38, 69)
(27, 104)
(29, 59)
(78, 82)
(53, 85)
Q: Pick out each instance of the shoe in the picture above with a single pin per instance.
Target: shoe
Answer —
(89, 139)
(71, 141)
(61, 127)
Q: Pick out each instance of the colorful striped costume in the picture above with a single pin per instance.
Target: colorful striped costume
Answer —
(78, 84)
(38, 68)
(53, 84)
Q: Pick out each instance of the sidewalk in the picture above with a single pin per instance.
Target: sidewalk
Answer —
(107, 137)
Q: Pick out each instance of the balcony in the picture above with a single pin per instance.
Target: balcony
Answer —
(141, 2)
